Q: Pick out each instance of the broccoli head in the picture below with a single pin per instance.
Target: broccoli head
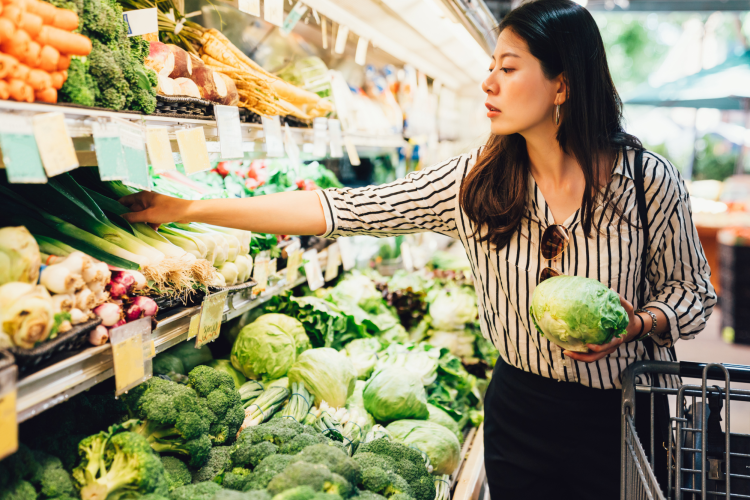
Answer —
(176, 472)
(22, 465)
(117, 462)
(267, 469)
(216, 388)
(173, 419)
(369, 495)
(218, 462)
(316, 476)
(301, 442)
(277, 431)
(405, 462)
(298, 493)
(200, 491)
(237, 479)
(336, 460)
(19, 490)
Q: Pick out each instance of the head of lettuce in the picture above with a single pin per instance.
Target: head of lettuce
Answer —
(572, 311)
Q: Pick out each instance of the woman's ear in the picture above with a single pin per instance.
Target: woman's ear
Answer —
(561, 83)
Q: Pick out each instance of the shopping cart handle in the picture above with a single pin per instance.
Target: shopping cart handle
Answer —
(737, 373)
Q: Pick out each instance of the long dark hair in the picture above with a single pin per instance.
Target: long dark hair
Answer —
(565, 39)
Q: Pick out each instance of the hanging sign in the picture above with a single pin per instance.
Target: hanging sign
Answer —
(293, 18)
(212, 311)
(341, 37)
(141, 21)
(230, 132)
(291, 148)
(133, 142)
(272, 134)
(251, 7)
(261, 271)
(351, 150)
(193, 150)
(312, 270)
(273, 11)
(334, 132)
(324, 32)
(159, 149)
(110, 159)
(127, 354)
(348, 254)
(320, 134)
(360, 57)
(333, 262)
(195, 323)
(20, 153)
(55, 145)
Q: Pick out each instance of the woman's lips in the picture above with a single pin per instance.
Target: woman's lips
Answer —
(491, 111)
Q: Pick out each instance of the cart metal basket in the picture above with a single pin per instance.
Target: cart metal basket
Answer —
(704, 460)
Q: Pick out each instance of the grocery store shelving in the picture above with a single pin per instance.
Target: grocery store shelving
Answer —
(57, 383)
(470, 479)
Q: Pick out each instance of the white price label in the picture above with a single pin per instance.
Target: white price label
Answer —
(351, 150)
(333, 262)
(313, 272)
(360, 57)
(324, 32)
(134, 149)
(293, 18)
(193, 150)
(407, 258)
(159, 149)
(348, 254)
(109, 155)
(212, 311)
(341, 37)
(55, 145)
(251, 7)
(320, 136)
(274, 139)
(291, 147)
(127, 354)
(337, 143)
(230, 131)
(141, 22)
(273, 11)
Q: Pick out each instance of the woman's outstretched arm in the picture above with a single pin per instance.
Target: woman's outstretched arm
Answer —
(298, 212)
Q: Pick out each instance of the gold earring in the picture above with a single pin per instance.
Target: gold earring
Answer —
(557, 115)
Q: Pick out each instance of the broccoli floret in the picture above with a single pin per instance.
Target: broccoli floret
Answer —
(200, 491)
(237, 479)
(336, 460)
(278, 431)
(222, 399)
(176, 472)
(401, 496)
(23, 465)
(218, 462)
(369, 495)
(267, 469)
(260, 451)
(152, 496)
(301, 442)
(401, 460)
(298, 493)
(300, 474)
(20, 490)
(397, 485)
(56, 482)
(174, 419)
(101, 19)
(326, 496)
(116, 462)
(375, 479)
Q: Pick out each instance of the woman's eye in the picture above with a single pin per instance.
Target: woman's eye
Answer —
(507, 70)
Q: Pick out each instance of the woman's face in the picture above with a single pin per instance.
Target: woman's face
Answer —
(519, 96)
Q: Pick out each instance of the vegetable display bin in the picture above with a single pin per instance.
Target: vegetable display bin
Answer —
(734, 255)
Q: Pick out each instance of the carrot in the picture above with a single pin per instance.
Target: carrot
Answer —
(47, 95)
(12, 13)
(7, 28)
(20, 72)
(49, 58)
(66, 20)
(42, 9)
(58, 79)
(4, 93)
(17, 45)
(33, 58)
(20, 91)
(39, 80)
(64, 41)
(31, 24)
(1, 7)
(8, 65)
(63, 63)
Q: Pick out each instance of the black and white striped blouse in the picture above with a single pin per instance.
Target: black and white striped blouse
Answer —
(678, 275)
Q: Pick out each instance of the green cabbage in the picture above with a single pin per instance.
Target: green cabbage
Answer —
(363, 354)
(439, 416)
(394, 393)
(327, 374)
(360, 290)
(224, 365)
(573, 311)
(290, 325)
(438, 442)
(452, 307)
(422, 360)
(357, 402)
(264, 348)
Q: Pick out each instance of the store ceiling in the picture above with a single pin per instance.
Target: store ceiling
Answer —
(500, 8)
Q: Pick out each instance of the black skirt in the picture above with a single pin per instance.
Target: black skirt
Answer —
(546, 439)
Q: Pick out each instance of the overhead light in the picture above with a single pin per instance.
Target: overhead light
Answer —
(582, 3)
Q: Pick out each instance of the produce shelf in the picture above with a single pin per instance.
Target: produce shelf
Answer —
(470, 479)
(66, 378)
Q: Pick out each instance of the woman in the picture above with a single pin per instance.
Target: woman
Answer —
(554, 161)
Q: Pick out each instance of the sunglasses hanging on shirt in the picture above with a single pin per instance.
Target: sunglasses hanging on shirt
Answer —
(554, 243)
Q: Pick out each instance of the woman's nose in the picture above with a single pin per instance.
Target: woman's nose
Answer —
(488, 86)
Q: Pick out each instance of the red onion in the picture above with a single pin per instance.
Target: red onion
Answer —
(99, 335)
(133, 312)
(124, 278)
(109, 312)
(119, 323)
(117, 290)
(147, 305)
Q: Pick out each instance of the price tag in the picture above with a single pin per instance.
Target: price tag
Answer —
(324, 32)
(312, 270)
(251, 7)
(211, 315)
(333, 262)
(195, 322)
(293, 264)
(192, 143)
(8, 420)
(273, 11)
(230, 131)
(272, 133)
(272, 267)
(406, 257)
(141, 22)
(293, 18)
(109, 156)
(320, 134)
(20, 153)
(127, 354)
(149, 347)
(341, 37)
(159, 149)
(55, 145)
(351, 150)
(360, 57)
(348, 255)
(291, 148)
(261, 270)
(134, 149)
(334, 132)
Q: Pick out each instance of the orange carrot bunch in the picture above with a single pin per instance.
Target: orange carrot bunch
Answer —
(36, 43)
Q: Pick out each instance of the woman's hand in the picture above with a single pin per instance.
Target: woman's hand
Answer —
(155, 208)
(597, 352)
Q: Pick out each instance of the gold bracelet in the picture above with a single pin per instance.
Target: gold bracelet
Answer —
(653, 323)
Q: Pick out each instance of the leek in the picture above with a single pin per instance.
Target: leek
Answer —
(242, 236)
(230, 273)
(221, 250)
(52, 246)
(187, 242)
(208, 241)
(233, 241)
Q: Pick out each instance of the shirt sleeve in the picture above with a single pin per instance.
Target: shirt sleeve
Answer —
(678, 273)
(426, 200)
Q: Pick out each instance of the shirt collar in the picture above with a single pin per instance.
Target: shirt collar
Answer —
(624, 167)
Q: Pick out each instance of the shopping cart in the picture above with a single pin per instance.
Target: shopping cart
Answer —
(698, 465)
